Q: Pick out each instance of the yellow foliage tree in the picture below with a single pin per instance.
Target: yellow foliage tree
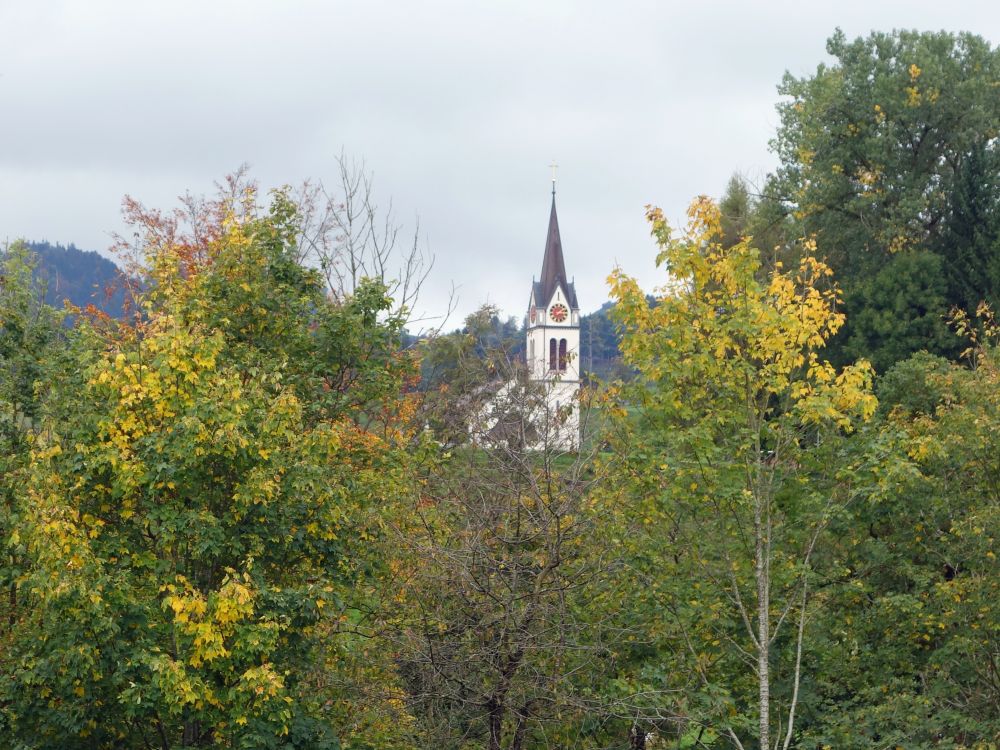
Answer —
(726, 433)
(204, 498)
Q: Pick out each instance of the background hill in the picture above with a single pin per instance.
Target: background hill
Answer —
(599, 337)
(81, 276)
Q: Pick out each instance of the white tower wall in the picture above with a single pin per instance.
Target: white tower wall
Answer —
(561, 382)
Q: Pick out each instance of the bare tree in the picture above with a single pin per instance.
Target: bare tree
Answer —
(343, 232)
(348, 236)
(492, 636)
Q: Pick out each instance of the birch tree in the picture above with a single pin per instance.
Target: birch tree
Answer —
(729, 438)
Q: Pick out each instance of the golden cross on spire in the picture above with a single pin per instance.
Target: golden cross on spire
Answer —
(554, 167)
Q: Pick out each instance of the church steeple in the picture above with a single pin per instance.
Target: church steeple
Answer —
(552, 351)
(553, 265)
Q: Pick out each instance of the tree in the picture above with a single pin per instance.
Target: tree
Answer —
(901, 309)
(204, 495)
(730, 437)
(349, 238)
(969, 244)
(31, 341)
(736, 210)
(82, 277)
(490, 627)
(907, 652)
(599, 355)
(873, 149)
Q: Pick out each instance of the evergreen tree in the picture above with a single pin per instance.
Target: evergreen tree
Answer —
(970, 241)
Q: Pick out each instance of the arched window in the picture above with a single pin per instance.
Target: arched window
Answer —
(531, 354)
(562, 355)
(553, 356)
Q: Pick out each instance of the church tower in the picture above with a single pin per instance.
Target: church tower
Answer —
(553, 346)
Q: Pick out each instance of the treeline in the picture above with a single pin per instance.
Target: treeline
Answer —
(254, 515)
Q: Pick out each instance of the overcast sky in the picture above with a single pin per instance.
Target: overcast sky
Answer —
(457, 107)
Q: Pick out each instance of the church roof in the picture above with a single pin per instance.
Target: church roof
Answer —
(553, 266)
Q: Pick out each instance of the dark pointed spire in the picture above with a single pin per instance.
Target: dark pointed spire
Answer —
(553, 265)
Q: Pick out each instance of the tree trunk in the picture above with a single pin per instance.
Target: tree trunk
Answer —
(495, 715)
(522, 725)
(636, 738)
(763, 622)
(12, 604)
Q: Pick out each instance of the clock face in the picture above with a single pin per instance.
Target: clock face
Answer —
(558, 312)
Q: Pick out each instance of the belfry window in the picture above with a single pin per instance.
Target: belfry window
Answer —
(553, 355)
(562, 355)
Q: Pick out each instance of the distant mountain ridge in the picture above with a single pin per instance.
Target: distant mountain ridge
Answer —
(81, 276)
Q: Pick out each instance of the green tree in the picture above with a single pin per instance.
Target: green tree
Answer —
(731, 442)
(206, 498)
(874, 149)
(970, 241)
(30, 343)
(448, 359)
(736, 209)
(599, 355)
(907, 648)
(901, 309)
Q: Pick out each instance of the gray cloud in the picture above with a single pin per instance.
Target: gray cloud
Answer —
(457, 106)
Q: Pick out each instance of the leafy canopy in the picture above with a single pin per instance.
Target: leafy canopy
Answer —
(204, 499)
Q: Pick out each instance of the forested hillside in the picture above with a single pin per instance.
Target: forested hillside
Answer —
(83, 277)
(259, 515)
(599, 340)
